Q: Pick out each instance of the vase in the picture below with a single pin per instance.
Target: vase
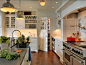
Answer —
(4, 46)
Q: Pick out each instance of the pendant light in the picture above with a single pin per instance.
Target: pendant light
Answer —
(7, 7)
(42, 2)
(19, 16)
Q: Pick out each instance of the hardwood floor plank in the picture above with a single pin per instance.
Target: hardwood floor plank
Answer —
(45, 58)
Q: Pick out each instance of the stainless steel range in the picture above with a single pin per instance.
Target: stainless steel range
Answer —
(74, 53)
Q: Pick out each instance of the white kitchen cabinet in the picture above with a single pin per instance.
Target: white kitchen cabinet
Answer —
(34, 44)
(20, 24)
(58, 48)
(9, 21)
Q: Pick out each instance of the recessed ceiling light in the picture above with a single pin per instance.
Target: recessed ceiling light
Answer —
(56, 2)
(30, 7)
(52, 7)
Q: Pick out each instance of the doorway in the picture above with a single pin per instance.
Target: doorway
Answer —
(44, 44)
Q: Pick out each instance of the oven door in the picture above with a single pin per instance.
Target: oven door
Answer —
(67, 58)
(77, 61)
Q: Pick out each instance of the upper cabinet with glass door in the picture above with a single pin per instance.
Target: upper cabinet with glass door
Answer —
(9, 20)
(12, 22)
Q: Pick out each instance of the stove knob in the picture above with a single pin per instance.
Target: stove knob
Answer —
(72, 49)
(81, 53)
(78, 52)
(63, 44)
(68, 47)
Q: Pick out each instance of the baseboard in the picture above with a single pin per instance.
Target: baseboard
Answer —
(34, 50)
(61, 60)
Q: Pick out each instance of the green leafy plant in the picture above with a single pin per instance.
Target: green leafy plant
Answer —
(3, 53)
(4, 39)
(27, 38)
(1, 40)
(8, 41)
(12, 56)
(20, 40)
(9, 56)
(23, 36)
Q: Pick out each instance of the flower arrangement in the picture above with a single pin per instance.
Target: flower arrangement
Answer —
(22, 41)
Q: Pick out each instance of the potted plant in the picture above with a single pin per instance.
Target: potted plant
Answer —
(22, 42)
(23, 37)
(27, 39)
(4, 41)
(3, 53)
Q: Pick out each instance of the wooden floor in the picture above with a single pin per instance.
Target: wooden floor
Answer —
(45, 58)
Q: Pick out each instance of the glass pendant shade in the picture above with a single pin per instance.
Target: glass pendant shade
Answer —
(19, 17)
(42, 3)
(7, 7)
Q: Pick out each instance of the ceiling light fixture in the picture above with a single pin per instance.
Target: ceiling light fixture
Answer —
(7, 7)
(42, 2)
(56, 2)
(19, 16)
(30, 7)
(52, 7)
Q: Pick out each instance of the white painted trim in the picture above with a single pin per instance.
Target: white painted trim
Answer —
(61, 6)
(74, 6)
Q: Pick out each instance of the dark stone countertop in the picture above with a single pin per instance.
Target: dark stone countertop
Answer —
(17, 61)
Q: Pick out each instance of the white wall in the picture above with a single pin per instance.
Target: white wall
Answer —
(2, 23)
(67, 30)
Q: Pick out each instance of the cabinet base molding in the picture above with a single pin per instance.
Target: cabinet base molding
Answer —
(61, 60)
(34, 50)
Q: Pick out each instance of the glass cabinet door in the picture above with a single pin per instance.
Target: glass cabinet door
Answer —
(7, 22)
(12, 22)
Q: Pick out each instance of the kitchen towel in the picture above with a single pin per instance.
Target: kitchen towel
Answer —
(29, 53)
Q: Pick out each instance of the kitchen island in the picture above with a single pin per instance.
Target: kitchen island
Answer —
(22, 60)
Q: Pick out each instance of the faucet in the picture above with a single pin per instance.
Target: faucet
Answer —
(14, 31)
(12, 43)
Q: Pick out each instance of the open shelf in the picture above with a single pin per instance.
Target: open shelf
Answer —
(30, 22)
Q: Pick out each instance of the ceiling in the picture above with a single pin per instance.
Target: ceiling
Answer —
(35, 4)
